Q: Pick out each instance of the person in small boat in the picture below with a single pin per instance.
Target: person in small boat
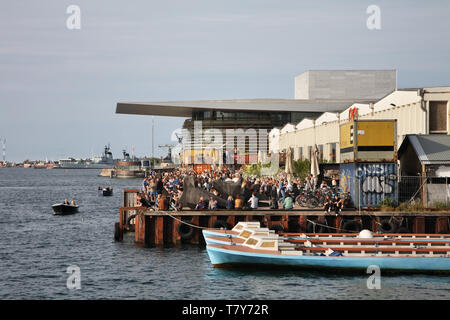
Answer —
(72, 203)
(66, 201)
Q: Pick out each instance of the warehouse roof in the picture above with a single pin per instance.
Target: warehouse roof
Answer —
(430, 149)
(185, 108)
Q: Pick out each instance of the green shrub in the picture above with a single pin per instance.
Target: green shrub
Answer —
(301, 168)
(441, 205)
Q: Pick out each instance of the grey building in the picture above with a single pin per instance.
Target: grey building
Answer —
(316, 92)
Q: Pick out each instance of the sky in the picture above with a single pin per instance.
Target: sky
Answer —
(59, 86)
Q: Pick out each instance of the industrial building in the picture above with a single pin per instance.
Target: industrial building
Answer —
(317, 92)
(416, 111)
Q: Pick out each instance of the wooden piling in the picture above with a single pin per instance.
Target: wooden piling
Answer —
(176, 238)
(418, 225)
(441, 225)
(159, 232)
(196, 236)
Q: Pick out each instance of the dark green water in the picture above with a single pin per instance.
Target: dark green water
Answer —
(38, 247)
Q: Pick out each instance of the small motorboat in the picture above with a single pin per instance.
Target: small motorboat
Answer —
(64, 209)
(106, 192)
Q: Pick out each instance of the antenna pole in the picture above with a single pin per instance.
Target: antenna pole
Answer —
(4, 149)
(153, 138)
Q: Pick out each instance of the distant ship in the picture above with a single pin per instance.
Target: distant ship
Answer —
(105, 161)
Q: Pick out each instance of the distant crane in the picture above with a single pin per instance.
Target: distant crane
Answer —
(180, 139)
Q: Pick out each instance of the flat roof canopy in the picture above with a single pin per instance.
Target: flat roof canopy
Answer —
(185, 108)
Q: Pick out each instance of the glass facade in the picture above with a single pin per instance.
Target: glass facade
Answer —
(275, 119)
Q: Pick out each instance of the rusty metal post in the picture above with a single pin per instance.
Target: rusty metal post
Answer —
(139, 229)
(302, 221)
(231, 220)
(338, 224)
(159, 231)
(212, 220)
(441, 224)
(195, 238)
(176, 238)
(285, 222)
(418, 225)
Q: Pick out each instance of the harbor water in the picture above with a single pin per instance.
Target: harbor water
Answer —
(37, 248)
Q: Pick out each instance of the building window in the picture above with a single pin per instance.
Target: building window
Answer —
(333, 152)
(309, 153)
(321, 152)
(300, 153)
(438, 117)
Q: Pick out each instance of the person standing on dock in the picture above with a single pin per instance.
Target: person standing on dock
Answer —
(253, 201)
(230, 203)
(163, 203)
(238, 204)
(152, 189)
(201, 204)
(212, 205)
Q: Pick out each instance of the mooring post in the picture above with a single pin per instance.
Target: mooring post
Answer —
(139, 228)
(212, 220)
(441, 224)
(375, 224)
(159, 231)
(302, 221)
(418, 225)
(176, 238)
(285, 222)
(120, 224)
(267, 221)
(195, 238)
(338, 224)
(231, 220)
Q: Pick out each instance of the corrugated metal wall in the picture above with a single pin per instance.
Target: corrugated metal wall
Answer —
(369, 183)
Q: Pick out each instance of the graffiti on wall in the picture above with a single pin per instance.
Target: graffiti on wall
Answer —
(376, 181)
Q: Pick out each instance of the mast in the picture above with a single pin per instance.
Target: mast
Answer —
(153, 138)
(4, 149)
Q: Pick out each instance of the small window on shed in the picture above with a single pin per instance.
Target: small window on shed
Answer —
(438, 117)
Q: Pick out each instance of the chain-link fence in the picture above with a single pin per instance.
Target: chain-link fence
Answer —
(430, 191)
(372, 191)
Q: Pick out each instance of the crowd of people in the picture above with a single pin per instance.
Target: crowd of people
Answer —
(163, 190)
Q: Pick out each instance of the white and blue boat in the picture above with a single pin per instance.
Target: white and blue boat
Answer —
(270, 250)
(243, 230)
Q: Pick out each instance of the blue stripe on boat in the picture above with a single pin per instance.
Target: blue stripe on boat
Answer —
(227, 256)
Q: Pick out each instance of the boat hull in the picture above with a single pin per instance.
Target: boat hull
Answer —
(227, 256)
(64, 209)
(107, 193)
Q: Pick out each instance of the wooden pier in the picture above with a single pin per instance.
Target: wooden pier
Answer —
(159, 228)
